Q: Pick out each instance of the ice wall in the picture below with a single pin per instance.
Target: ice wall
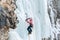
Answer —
(37, 9)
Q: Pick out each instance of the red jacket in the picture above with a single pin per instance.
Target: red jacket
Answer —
(29, 20)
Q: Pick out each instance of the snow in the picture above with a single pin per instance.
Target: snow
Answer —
(13, 35)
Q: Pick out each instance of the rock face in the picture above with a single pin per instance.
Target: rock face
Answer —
(8, 4)
(54, 14)
(8, 18)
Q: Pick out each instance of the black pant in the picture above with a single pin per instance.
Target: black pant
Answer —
(29, 29)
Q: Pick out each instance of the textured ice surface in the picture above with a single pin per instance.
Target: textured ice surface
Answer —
(13, 35)
(37, 9)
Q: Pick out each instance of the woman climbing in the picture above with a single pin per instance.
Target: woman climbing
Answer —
(29, 29)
